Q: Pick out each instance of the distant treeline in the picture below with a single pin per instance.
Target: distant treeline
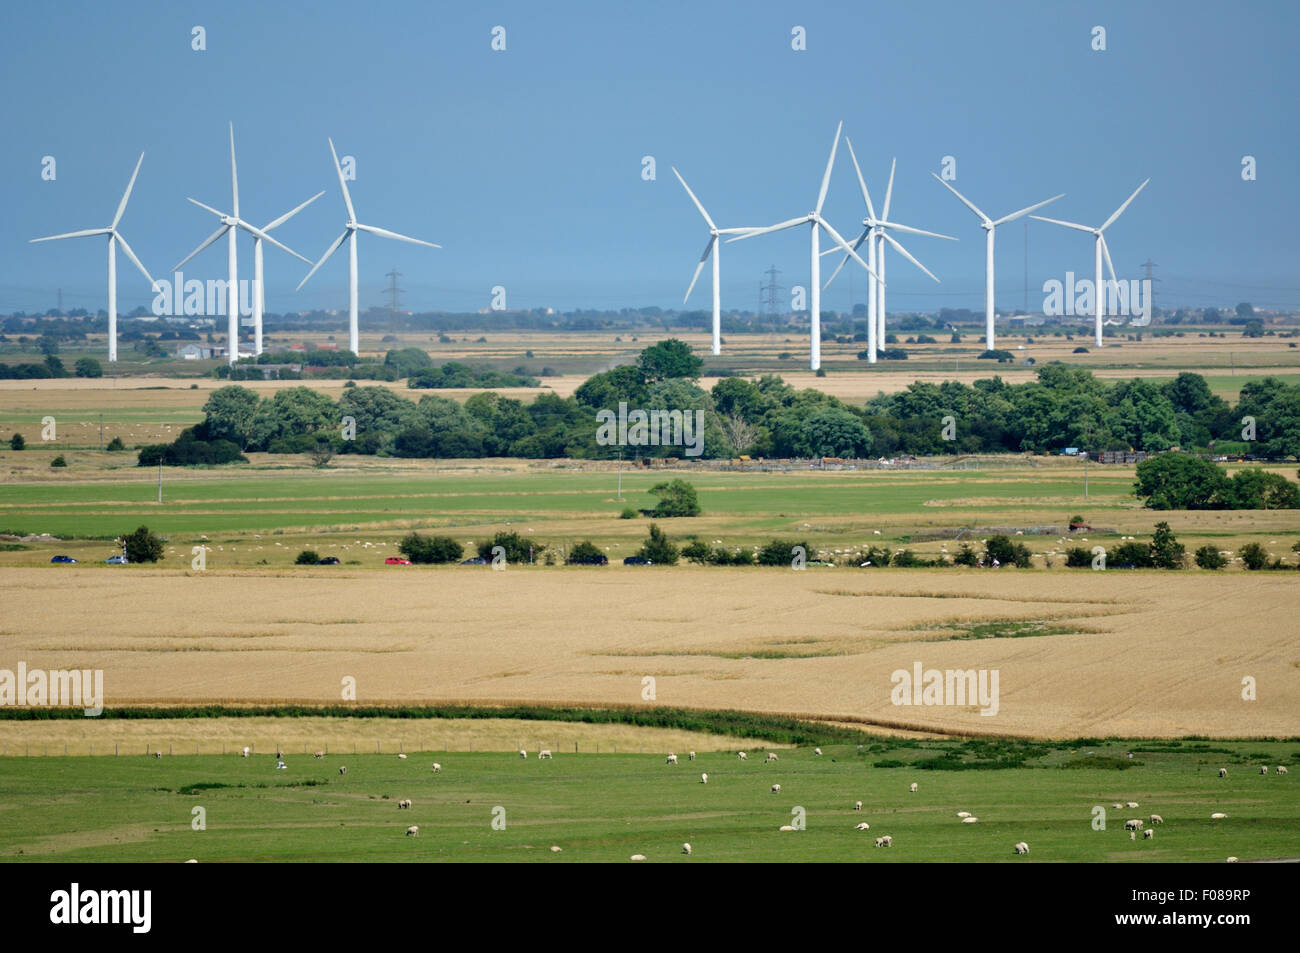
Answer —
(1063, 407)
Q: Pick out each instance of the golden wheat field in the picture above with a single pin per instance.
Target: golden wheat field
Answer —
(1142, 654)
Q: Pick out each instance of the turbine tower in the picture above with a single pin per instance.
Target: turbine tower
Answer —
(1099, 249)
(816, 224)
(710, 249)
(350, 229)
(230, 225)
(990, 225)
(114, 239)
(876, 229)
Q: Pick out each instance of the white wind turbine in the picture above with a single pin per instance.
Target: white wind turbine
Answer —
(876, 230)
(114, 239)
(1100, 249)
(710, 249)
(817, 223)
(230, 225)
(350, 229)
(990, 225)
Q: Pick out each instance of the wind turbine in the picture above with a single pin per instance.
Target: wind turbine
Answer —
(1100, 249)
(114, 239)
(990, 225)
(816, 222)
(876, 229)
(710, 249)
(230, 225)
(350, 229)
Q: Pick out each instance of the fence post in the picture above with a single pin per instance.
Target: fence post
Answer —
(114, 749)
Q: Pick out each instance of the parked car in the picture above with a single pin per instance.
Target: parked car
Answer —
(396, 561)
(62, 559)
(329, 561)
(474, 561)
(600, 560)
(118, 560)
(636, 561)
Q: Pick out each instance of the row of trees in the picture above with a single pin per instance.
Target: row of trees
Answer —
(1176, 481)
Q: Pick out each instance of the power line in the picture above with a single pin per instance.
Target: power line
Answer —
(768, 294)
(392, 291)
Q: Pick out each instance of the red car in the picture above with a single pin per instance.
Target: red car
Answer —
(396, 561)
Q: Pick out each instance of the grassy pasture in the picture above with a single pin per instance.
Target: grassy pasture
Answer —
(607, 807)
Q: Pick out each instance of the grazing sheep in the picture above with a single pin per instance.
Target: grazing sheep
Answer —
(545, 753)
(245, 753)
(1132, 835)
(1281, 769)
(401, 757)
(912, 787)
(970, 820)
(704, 778)
(637, 857)
(281, 766)
(690, 755)
(1217, 816)
(343, 770)
(771, 756)
(1148, 834)
(885, 841)
(1232, 860)
(963, 813)
(686, 849)
(319, 754)
(412, 831)
(523, 753)
(672, 759)
(1134, 825)
(403, 804)
(555, 849)
(1131, 804)
(776, 789)
(857, 805)
(742, 756)
(864, 826)
(786, 827)
(1263, 770)
(817, 751)
(194, 861)
(157, 754)
(1156, 819)
(1022, 848)
(1118, 805)
(1223, 772)
(437, 766)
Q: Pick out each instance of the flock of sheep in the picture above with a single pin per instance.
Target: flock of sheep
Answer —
(1132, 825)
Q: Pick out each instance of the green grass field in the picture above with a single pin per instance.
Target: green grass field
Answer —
(607, 807)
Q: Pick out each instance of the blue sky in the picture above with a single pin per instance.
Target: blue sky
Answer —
(526, 164)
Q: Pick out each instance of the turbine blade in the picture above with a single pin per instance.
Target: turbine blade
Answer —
(1119, 211)
(261, 233)
(964, 201)
(323, 258)
(347, 197)
(1105, 250)
(121, 206)
(208, 241)
(385, 233)
(207, 207)
(908, 229)
(81, 234)
(889, 192)
(866, 196)
(739, 230)
(130, 254)
(1025, 211)
(708, 248)
(698, 268)
(1057, 221)
(839, 240)
(288, 215)
(830, 163)
(697, 202)
(234, 176)
(908, 255)
(789, 223)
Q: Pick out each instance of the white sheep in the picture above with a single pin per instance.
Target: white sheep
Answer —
(704, 778)
(912, 787)
(1217, 816)
(245, 752)
(412, 831)
(523, 753)
(963, 813)
(672, 759)
(742, 756)
(1281, 769)
(1148, 834)
(1022, 848)
(401, 757)
(545, 753)
(857, 805)
(555, 849)
(1263, 770)
(437, 766)
(686, 849)
(970, 820)
(403, 804)
(864, 826)
(771, 756)
(786, 827)
(319, 754)
(817, 751)
(690, 755)
(637, 857)
(1232, 860)
(1132, 835)
(1131, 804)
(1133, 825)
(776, 789)
(1223, 772)
(1157, 819)
(885, 841)
(281, 766)
(343, 769)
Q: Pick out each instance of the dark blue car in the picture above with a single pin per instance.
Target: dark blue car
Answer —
(62, 559)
